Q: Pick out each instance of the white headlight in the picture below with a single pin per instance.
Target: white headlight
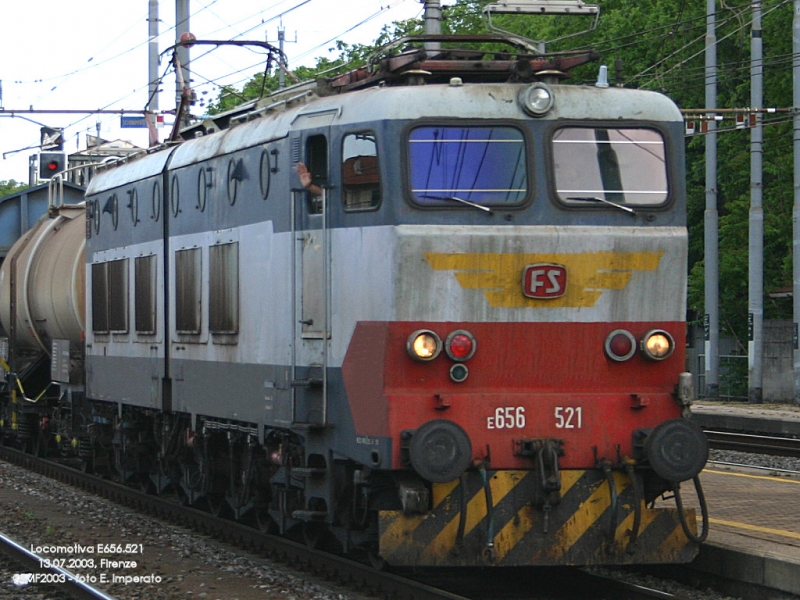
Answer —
(657, 345)
(423, 345)
(537, 99)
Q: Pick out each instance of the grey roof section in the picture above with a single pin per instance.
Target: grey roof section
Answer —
(135, 169)
(472, 101)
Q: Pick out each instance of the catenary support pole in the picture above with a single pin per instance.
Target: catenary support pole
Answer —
(796, 209)
(711, 216)
(281, 69)
(182, 26)
(152, 71)
(756, 238)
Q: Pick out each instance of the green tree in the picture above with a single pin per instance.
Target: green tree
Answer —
(9, 187)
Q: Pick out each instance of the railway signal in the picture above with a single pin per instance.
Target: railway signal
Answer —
(51, 164)
(52, 138)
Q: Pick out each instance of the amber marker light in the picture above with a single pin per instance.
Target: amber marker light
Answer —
(657, 345)
(424, 345)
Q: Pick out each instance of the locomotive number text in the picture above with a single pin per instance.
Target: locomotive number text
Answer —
(568, 417)
(507, 417)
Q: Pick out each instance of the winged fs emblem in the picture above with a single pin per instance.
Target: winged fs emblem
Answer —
(540, 280)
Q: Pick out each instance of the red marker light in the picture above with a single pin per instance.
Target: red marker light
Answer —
(620, 345)
(460, 345)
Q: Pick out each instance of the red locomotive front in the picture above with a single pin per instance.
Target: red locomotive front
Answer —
(531, 375)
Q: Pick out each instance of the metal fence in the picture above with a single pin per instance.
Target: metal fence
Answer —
(733, 385)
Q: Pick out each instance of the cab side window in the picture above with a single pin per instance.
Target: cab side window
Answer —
(361, 184)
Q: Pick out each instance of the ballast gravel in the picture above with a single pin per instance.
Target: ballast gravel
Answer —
(132, 556)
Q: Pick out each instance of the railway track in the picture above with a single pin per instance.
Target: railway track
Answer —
(533, 583)
(334, 568)
(37, 571)
(753, 444)
(511, 584)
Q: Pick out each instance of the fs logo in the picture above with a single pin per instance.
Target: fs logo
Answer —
(544, 281)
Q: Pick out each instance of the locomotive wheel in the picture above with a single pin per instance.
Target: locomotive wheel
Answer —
(143, 483)
(215, 504)
(264, 522)
(39, 444)
(313, 534)
(319, 537)
(193, 485)
(376, 561)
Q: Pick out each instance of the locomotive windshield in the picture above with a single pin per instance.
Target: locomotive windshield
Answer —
(619, 166)
(452, 166)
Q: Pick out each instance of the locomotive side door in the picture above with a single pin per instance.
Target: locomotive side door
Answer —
(311, 283)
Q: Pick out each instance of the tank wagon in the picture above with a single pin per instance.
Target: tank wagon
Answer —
(465, 349)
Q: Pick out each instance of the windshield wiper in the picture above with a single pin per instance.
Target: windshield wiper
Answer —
(461, 200)
(603, 201)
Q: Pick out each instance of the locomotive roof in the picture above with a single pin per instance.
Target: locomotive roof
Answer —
(371, 105)
(412, 84)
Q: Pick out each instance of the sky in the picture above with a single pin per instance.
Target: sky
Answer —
(93, 54)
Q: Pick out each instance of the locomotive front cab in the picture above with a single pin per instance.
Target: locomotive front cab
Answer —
(531, 377)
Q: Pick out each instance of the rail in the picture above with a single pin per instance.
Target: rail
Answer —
(41, 570)
(754, 444)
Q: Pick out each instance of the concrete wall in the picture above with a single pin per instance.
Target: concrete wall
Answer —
(778, 382)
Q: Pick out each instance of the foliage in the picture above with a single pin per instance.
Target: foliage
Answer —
(9, 187)
(659, 45)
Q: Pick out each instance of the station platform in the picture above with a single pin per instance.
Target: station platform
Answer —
(754, 514)
(754, 527)
(766, 419)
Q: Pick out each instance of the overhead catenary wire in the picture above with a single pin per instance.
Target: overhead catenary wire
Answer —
(263, 22)
(687, 75)
(63, 78)
(230, 85)
(139, 89)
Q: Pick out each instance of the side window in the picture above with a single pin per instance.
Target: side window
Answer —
(99, 298)
(187, 290)
(145, 290)
(317, 164)
(361, 181)
(223, 308)
(110, 296)
(118, 295)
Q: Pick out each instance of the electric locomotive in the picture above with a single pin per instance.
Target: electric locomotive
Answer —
(465, 349)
